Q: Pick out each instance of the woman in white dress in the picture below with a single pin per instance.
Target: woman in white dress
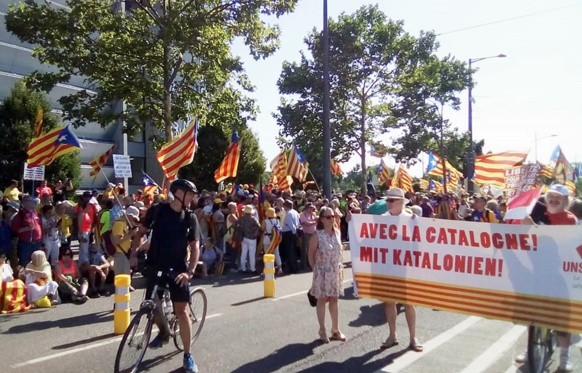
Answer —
(325, 257)
(39, 281)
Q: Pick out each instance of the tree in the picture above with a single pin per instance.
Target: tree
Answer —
(373, 62)
(215, 141)
(17, 118)
(163, 59)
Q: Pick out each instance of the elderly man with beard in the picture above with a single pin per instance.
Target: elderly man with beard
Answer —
(557, 214)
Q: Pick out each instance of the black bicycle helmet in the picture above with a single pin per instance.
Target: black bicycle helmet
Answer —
(183, 184)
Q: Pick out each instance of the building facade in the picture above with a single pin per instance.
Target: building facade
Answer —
(16, 62)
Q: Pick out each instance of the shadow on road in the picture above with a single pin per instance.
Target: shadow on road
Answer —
(70, 322)
(158, 360)
(370, 316)
(287, 355)
(358, 364)
(84, 341)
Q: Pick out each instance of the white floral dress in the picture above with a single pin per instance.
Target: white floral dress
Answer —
(327, 271)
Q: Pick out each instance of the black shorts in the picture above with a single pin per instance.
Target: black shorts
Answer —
(178, 293)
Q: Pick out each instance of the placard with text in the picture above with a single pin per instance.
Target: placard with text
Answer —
(516, 273)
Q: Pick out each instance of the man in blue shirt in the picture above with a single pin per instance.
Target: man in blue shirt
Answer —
(289, 237)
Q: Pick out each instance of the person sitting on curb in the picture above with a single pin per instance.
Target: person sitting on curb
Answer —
(71, 284)
(210, 256)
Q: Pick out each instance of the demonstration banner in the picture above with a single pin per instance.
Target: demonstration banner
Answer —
(523, 274)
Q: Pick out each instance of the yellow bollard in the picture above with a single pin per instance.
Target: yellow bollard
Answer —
(269, 272)
(122, 313)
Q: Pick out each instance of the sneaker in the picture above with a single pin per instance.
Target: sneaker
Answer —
(521, 358)
(160, 340)
(189, 364)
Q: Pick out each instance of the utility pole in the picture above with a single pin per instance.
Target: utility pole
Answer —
(326, 127)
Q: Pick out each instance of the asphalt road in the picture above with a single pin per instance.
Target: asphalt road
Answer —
(246, 333)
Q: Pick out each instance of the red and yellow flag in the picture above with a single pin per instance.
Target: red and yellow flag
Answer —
(335, 168)
(99, 161)
(402, 179)
(383, 173)
(229, 166)
(490, 168)
(275, 241)
(179, 152)
(38, 122)
(43, 150)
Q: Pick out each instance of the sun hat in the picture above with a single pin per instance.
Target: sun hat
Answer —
(559, 189)
(140, 205)
(132, 211)
(271, 214)
(248, 209)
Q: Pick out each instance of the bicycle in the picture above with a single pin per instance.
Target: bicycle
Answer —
(136, 338)
(541, 343)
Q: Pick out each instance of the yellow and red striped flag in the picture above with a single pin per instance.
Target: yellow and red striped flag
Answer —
(490, 168)
(43, 150)
(279, 168)
(229, 166)
(546, 171)
(423, 184)
(179, 152)
(435, 168)
(297, 165)
(571, 187)
(402, 179)
(99, 161)
(383, 173)
(38, 122)
(435, 186)
(276, 237)
(335, 168)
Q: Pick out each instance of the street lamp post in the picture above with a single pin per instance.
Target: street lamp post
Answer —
(471, 152)
(326, 127)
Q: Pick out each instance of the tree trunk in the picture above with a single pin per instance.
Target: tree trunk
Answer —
(363, 147)
(167, 96)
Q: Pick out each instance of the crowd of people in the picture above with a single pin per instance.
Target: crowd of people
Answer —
(235, 228)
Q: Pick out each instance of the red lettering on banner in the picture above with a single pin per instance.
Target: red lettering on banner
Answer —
(365, 254)
(442, 239)
(472, 238)
(393, 232)
(534, 239)
(478, 264)
(435, 265)
(417, 255)
(396, 257)
(364, 231)
(416, 234)
(497, 239)
(383, 228)
(469, 264)
(426, 261)
(405, 237)
(485, 240)
(490, 267)
(375, 251)
(523, 241)
(407, 259)
(448, 262)
(575, 267)
(383, 254)
(373, 230)
(453, 233)
(511, 241)
(430, 234)
(460, 263)
(463, 241)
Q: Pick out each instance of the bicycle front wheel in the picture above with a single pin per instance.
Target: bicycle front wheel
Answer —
(134, 343)
(197, 312)
(538, 348)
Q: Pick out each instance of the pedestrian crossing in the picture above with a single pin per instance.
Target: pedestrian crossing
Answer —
(476, 345)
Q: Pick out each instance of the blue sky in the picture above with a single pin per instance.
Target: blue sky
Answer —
(535, 91)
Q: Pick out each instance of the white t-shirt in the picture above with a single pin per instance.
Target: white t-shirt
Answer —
(404, 213)
(6, 273)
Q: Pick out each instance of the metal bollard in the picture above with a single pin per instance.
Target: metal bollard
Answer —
(269, 272)
(121, 313)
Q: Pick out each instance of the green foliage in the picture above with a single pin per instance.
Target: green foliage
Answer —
(376, 72)
(213, 142)
(17, 117)
(163, 59)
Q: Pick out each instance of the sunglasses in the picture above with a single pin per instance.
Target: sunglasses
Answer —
(392, 200)
(67, 254)
(329, 217)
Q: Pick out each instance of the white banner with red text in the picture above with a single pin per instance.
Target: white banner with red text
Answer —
(523, 274)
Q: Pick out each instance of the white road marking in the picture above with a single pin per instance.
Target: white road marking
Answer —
(79, 349)
(407, 359)
(300, 292)
(487, 358)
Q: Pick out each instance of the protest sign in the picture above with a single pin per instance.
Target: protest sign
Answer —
(517, 273)
(33, 173)
(121, 166)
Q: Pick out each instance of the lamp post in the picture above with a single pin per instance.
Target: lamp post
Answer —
(326, 128)
(471, 152)
(536, 138)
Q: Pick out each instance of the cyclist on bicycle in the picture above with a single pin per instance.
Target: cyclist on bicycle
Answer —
(174, 228)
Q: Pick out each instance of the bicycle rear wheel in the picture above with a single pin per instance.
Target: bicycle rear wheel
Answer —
(197, 312)
(134, 343)
(539, 348)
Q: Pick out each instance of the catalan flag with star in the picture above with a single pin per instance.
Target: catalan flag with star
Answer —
(99, 161)
(297, 165)
(149, 185)
(43, 150)
(229, 166)
(383, 173)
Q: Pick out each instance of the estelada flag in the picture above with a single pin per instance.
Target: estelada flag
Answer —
(229, 166)
(276, 237)
(383, 173)
(297, 164)
(179, 152)
(43, 150)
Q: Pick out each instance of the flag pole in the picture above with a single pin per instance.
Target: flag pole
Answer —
(315, 181)
(326, 127)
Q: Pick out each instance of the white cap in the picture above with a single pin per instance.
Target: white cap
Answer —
(132, 211)
(559, 189)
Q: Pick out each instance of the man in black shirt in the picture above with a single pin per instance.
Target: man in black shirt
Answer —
(174, 228)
